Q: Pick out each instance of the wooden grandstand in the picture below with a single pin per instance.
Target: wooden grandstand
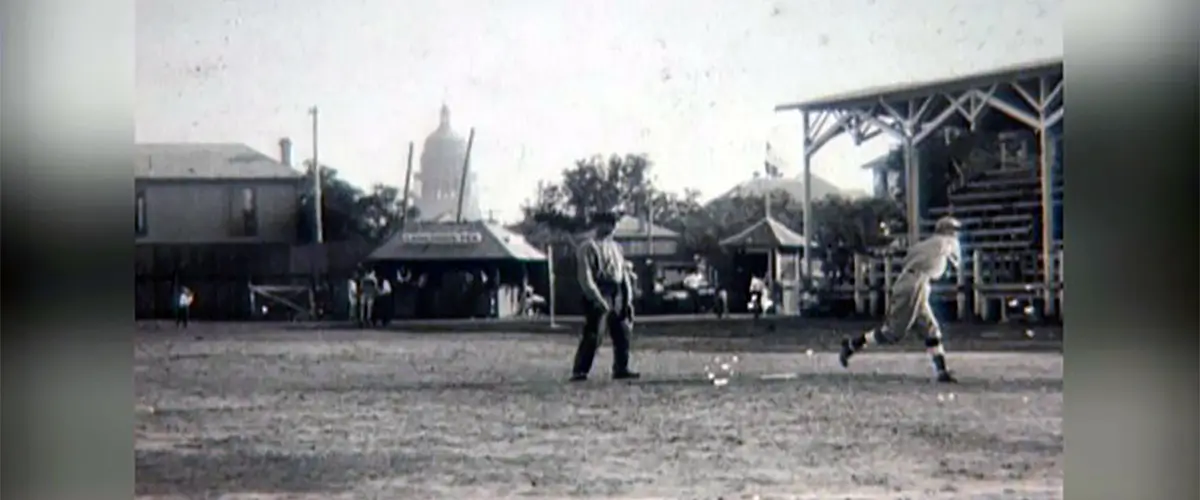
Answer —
(1000, 206)
(1011, 205)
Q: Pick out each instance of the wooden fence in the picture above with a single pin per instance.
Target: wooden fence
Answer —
(984, 289)
(220, 275)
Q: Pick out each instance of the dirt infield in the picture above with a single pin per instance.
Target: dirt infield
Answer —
(251, 412)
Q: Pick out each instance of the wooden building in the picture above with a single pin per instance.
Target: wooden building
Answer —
(767, 249)
(1011, 207)
(214, 217)
(457, 270)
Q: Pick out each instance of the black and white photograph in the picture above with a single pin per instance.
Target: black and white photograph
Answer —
(599, 249)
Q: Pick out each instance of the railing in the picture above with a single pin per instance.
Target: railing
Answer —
(980, 289)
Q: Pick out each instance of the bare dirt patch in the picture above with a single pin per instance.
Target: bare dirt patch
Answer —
(346, 414)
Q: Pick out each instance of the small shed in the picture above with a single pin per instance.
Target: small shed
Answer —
(768, 249)
(448, 270)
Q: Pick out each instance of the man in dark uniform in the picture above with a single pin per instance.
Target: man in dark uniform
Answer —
(608, 299)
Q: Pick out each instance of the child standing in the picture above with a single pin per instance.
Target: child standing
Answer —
(183, 306)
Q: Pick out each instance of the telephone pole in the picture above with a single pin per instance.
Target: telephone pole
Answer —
(318, 226)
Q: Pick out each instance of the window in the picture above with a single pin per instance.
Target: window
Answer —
(249, 212)
(139, 213)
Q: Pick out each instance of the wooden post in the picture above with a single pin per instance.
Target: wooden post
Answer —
(407, 186)
(318, 204)
(462, 182)
(960, 281)
(809, 229)
(977, 271)
(912, 173)
(1046, 166)
(887, 281)
(1059, 260)
(550, 271)
(873, 283)
(859, 286)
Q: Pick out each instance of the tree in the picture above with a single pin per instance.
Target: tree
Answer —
(857, 224)
(704, 229)
(595, 185)
(348, 213)
(380, 213)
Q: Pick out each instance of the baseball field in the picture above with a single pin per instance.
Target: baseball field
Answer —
(274, 411)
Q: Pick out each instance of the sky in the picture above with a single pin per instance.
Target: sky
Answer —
(691, 83)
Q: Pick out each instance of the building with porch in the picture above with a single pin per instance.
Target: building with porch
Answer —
(472, 269)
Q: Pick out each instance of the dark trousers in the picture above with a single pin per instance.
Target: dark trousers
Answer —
(618, 322)
(384, 305)
(181, 316)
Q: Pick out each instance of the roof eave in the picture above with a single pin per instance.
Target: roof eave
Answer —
(871, 95)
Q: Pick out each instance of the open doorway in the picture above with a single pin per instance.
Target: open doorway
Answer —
(745, 265)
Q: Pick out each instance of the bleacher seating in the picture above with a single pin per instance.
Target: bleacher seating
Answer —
(1001, 211)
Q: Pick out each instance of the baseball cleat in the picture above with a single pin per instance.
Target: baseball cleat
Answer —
(846, 352)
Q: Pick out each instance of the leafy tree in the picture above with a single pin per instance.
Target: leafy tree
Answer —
(599, 184)
(857, 224)
(380, 213)
(704, 229)
(349, 213)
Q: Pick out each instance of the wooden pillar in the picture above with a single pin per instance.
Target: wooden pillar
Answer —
(960, 281)
(873, 282)
(912, 192)
(860, 287)
(887, 281)
(1059, 261)
(550, 275)
(808, 215)
(1046, 166)
(977, 283)
(496, 292)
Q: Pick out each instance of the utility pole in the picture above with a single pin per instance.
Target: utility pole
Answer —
(318, 226)
(407, 180)
(462, 181)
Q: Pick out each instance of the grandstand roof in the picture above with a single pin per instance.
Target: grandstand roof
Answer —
(923, 88)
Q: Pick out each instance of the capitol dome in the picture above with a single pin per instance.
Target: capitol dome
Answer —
(441, 175)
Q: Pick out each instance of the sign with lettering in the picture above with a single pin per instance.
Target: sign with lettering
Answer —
(442, 238)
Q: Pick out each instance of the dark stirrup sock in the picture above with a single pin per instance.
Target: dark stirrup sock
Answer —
(939, 363)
